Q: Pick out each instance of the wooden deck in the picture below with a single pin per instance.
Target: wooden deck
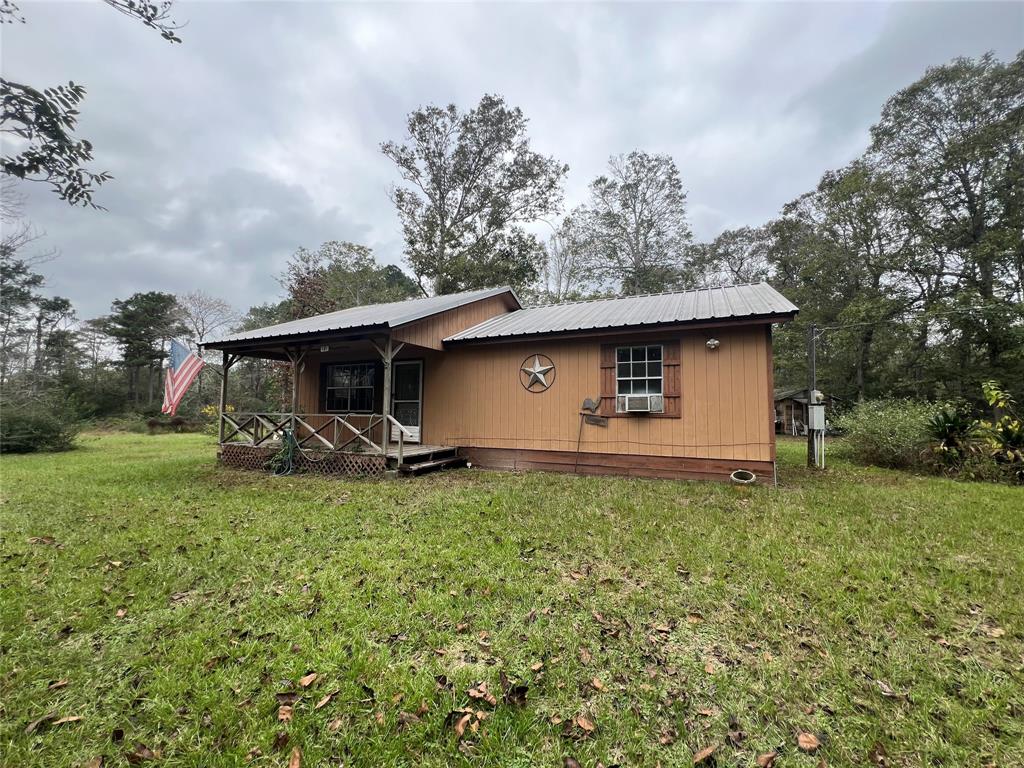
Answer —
(412, 450)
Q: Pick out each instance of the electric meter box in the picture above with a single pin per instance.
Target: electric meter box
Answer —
(816, 417)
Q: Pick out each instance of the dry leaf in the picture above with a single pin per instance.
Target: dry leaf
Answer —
(570, 762)
(295, 761)
(325, 700)
(307, 680)
(57, 684)
(335, 725)
(407, 718)
(140, 754)
(461, 723)
(709, 667)
(72, 719)
(284, 714)
(537, 667)
(807, 742)
(585, 724)
(480, 692)
(767, 760)
(34, 725)
(280, 740)
(597, 684)
(253, 753)
(703, 757)
(668, 738)
(585, 656)
(878, 756)
(96, 762)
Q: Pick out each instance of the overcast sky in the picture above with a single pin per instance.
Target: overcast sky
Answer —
(261, 131)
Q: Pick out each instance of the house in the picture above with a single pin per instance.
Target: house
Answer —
(791, 409)
(664, 385)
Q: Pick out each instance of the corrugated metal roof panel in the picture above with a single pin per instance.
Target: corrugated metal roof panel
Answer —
(701, 304)
(372, 315)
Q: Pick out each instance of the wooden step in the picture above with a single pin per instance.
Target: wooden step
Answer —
(425, 466)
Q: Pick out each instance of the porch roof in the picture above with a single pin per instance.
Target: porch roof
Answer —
(751, 301)
(364, 318)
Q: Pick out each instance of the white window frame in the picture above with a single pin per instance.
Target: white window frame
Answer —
(660, 378)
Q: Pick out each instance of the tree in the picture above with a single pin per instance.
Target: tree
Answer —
(735, 256)
(566, 274)
(141, 326)
(205, 317)
(471, 181)
(339, 275)
(45, 120)
(638, 218)
(953, 145)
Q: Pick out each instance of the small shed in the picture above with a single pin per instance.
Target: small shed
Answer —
(791, 410)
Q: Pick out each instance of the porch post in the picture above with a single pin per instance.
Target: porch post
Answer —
(226, 362)
(385, 408)
(296, 357)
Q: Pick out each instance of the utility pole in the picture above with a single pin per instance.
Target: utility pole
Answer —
(812, 384)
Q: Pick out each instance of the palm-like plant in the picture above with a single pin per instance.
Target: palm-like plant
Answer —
(955, 435)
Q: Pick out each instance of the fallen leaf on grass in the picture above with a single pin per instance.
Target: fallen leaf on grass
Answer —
(570, 762)
(807, 742)
(736, 735)
(42, 540)
(407, 718)
(480, 692)
(585, 655)
(335, 725)
(889, 693)
(72, 719)
(325, 700)
(140, 754)
(668, 738)
(307, 680)
(57, 684)
(284, 714)
(253, 753)
(537, 666)
(584, 724)
(121, 613)
(35, 724)
(992, 631)
(596, 684)
(295, 761)
(512, 694)
(704, 756)
(767, 760)
(280, 740)
(878, 756)
(96, 762)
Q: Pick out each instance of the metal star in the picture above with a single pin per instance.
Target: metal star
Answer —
(537, 373)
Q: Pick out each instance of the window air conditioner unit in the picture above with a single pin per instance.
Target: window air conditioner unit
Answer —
(641, 404)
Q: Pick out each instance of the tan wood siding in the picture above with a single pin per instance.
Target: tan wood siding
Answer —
(473, 397)
(431, 332)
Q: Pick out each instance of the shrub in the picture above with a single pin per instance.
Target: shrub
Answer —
(954, 433)
(1005, 433)
(888, 433)
(30, 427)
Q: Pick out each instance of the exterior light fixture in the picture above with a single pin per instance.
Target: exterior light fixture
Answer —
(713, 344)
(325, 348)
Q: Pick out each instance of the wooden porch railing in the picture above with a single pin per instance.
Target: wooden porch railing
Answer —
(321, 431)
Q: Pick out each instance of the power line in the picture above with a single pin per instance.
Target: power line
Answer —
(921, 316)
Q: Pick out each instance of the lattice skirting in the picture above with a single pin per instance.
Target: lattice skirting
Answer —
(315, 462)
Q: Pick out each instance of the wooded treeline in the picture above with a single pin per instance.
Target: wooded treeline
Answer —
(911, 257)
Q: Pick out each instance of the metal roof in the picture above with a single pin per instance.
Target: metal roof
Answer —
(388, 315)
(724, 303)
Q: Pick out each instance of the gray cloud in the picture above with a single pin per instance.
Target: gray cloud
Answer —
(260, 132)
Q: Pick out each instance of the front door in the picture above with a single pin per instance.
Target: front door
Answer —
(407, 397)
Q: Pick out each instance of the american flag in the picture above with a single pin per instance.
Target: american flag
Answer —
(182, 368)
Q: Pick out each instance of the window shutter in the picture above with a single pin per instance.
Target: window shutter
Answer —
(607, 407)
(672, 373)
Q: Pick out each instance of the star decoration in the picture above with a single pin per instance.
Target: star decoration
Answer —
(537, 373)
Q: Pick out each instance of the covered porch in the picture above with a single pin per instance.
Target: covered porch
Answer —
(356, 408)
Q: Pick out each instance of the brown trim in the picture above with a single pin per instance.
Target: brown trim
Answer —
(588, 463)
(627, 330)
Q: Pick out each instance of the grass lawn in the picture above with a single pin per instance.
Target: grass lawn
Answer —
(178, 610)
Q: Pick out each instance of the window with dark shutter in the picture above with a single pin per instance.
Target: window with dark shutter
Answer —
(614, 375)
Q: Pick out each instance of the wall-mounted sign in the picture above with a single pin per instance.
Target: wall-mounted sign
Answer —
(537, 373)
(597, 421)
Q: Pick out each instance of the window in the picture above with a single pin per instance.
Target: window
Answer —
(638, 370)
(350, 388)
